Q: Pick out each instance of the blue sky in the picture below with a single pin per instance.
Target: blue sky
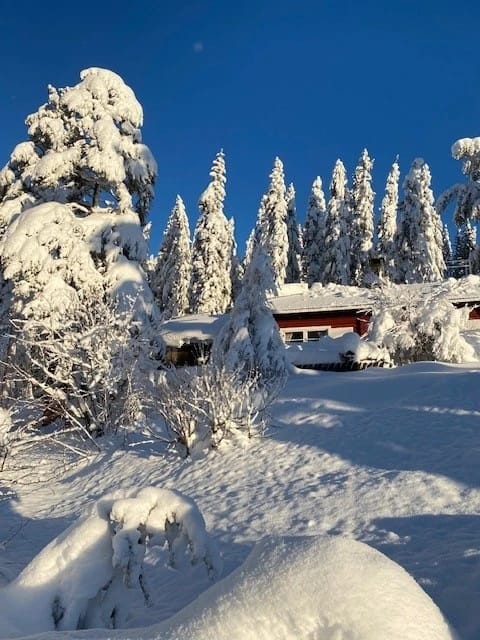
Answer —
(309, 81)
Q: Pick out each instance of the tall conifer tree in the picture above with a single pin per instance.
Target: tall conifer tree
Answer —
(337, 240)
(387, 225)
(294, 264)
(271, 227)
(362, 199)
(419, 235)
(171, 277)
(314, 234)
(212, 249)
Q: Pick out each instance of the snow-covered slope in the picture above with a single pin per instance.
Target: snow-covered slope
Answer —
(387, 457)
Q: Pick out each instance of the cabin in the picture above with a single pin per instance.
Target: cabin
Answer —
(189, 339)
(306, 314)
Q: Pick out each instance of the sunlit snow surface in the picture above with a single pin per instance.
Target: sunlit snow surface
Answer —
(388, 457)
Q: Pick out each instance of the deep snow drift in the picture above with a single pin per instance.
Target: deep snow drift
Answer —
(385, 456)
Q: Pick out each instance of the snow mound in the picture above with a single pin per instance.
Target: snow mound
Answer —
(318, 588)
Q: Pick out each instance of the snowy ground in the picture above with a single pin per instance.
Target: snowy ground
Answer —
(385, 456)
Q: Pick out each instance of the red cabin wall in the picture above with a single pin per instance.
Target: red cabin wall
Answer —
(357, 321)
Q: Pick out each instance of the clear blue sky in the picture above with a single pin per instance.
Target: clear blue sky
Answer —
(309, 81)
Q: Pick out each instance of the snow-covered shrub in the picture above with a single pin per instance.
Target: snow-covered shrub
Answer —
(203, 405)
(16, 434)
(85, 371)
(89, 576)
(6, 435)
(414, 325)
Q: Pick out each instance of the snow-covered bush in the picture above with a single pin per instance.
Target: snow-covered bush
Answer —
(203, 405)
(6, 434)
(85, 371)
(90, 575)
(414, 325)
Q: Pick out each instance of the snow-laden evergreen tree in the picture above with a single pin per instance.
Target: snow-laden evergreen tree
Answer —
(314, 234)
(73, 202)
(75, 195)
(337, 229)
(387, 225)
(294, 264)
(361, 235)
(271, 226)
(419, 239)
(171, 278)
(237, 276)
(465, 240)
(84, 147)
(446, 245)
(212, 249)
(466, 195)
(250, 342)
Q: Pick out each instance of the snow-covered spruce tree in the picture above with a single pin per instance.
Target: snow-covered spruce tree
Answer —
(73, 201)
(271, 226)
(212, 249)
(250, 342)
(337, 236)
(237, 276)
(294, 264)
(171, 278)
(466, 195)
(387, 224)
(362, 199)
(446, 244)
(465, 241)
(419, 234)
(84, 147)
(314, 234)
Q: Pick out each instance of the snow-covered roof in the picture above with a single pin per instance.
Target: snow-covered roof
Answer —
(298, 297)
(192, 328)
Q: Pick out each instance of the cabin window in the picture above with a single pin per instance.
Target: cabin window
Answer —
(294, 336)
(313, 336)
